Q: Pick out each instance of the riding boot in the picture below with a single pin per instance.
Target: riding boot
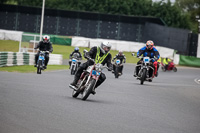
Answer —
(136, 71)
(75, 81)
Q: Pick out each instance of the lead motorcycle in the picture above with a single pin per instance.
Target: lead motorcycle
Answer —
(41, 61)
(88, 80)
(145, 67)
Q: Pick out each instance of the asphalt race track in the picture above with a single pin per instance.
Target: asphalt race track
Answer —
(31, 103)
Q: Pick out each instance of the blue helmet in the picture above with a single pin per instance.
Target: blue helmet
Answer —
(76, 49)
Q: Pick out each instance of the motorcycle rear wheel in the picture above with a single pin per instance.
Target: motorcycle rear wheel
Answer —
(75, 93)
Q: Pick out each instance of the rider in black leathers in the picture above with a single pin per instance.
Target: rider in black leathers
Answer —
(44, 45)
(103, 52)
(122, 58)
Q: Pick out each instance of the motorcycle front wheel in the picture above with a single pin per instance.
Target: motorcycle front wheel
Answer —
(88, 89)
(72, 70)
(143, 76)
(163, 68)
(175, 69)
(39, 67)
(116, 72)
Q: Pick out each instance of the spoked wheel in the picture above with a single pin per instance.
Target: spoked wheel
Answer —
(163, 69)
(72, 70)
(39, 67)
(116, 73)
(75, 93)
(175, 69)
(143, 76)
(88, 89)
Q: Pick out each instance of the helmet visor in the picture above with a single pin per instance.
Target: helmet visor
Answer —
(106, 48)
(149, 46)
(45, 40)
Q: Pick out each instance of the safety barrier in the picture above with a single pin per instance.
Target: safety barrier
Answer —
(10, 35)
(189, 61)
(120, 45)
(13, 59)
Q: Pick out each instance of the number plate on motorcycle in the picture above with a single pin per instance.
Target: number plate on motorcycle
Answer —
(117, 61)
(146, 59)
(73, 60)
(41, 57)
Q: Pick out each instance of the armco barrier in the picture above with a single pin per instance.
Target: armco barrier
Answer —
(13, 59)
(189, 61)
(120, 45)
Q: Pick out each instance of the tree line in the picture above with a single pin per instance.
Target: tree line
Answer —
(180, 14)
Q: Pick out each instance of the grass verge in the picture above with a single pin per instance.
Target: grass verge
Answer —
(13, 46)
(29, 69)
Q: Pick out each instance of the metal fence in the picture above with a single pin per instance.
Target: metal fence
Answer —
(94, 25)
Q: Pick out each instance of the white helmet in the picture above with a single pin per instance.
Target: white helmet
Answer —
(105, 45)
(46, 38)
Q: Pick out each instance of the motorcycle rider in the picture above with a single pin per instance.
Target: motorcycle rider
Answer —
(76, 50)
(166, 62)
(148, 51)
(44, 45)
(122, 58)
(101, 55)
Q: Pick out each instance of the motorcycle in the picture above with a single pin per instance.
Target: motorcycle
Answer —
(88, 80)
(145, 67)
(41, 62)
(171, 66)
(117, 68)
(75, 64)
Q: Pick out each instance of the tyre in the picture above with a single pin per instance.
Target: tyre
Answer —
(72, 70)
(75, 93)
(143, 76)
(163, 69)
(116, 72)
(175, 69)
(88, 89)
(39, 67)
(80, 83)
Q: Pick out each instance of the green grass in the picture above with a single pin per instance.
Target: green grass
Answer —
(28, 69)
(7, 45)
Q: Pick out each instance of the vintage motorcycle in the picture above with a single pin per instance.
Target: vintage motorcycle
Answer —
(75, 63)
(170, 67)
(88, 80)
(41, 61)
(145, 67)
(117, 68)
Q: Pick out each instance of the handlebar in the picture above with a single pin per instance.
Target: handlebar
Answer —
(44, 51)
(140, 57)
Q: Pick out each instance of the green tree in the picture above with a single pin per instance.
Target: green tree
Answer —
(192, 8)
(170, 13)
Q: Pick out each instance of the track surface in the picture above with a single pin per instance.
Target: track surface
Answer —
(31, 103)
